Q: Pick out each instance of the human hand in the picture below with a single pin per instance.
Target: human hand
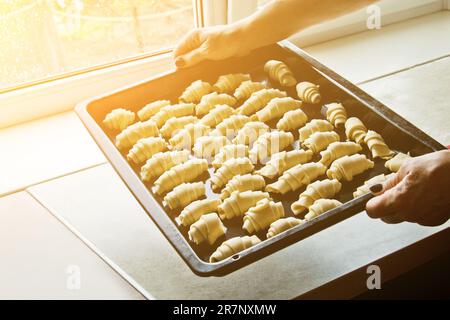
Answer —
(418, 193)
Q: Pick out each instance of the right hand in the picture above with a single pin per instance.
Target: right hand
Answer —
(212, 43)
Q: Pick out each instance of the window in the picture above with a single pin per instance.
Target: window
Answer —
(45, 38)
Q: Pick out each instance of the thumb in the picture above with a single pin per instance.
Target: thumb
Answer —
(191, 58)
(375, 206)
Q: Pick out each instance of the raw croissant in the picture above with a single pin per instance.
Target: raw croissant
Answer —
(184, 194)
(297, 177)
(336, 114)
(209, 146)
(228, 170)
(228, 83)
(230, 126)
(270, 143)
(181, 173)
(325, 189)
(396, 162)
(321, 206)
(119, 119)
(292, 120)
(145, 148)
(175, 124)
(337, 150)
(128, 137)
(208, 228)
(276, 108)
(308, 92)
(250, 132)
(316, 125)
(282, 225)
(209, 101)
(239, 202)
(151, 109)
(233, 246)
(319, 141)
(175, 111)
(246, 182)
(377, 146)
(355, 130)
(196, 209)
(280, 162)
(216, 115)
(195, 91)
(259, 100)
(347, 167)
(161, 162)
(228, 152)
(185, 138)
(365, 188)
(262, 215)
(280, 72)
(247, 88)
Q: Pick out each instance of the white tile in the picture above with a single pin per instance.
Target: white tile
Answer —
(97, 204)
(45, 149)
(39, 255)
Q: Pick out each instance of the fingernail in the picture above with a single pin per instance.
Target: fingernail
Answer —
(179, 62)
(376, 188)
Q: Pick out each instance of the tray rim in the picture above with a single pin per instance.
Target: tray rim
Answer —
(267, 246)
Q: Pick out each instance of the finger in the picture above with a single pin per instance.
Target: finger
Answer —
(391, 220)
(192, 58)
(434, 219)
(190, 42)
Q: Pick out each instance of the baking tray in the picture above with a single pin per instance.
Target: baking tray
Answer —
(399, 134)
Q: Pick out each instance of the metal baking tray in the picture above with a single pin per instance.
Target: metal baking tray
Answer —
(399, 134)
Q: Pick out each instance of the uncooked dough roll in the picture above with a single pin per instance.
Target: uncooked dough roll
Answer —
(260, 217)
(209, 101)
(321, 206)
(128, 137)
(151, 109)
(309, 92)
(336, 114)
(208, 228)
(292, 120)
(259, 100)
(230, 126)
(355, 130)
(282, 225)
(319, 141)
(161, 162)
(239, 202)
(181, 173)
(184, 194)
(175, 124)
(282, 161)
(195, 91)
(232, 247)
(297, 177)
(119, 119)
(209, 146)
(347, 167)
(250, 132)
(247, 88)
(217, 115)
(396, 162)
(175, 111)
(276, 108)
(365, 188)
(185, 138)
(228, 170)
(337, 150)
(196, 209)
(316, 125)
(279, 71)
(228, 152)
(377, 146)
(325, 189)
(145, 148)
(270, 143)
(246, 182)
(230, 82)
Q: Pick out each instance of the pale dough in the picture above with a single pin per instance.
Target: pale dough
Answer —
(378, 146)
(132, 134)
(239, 202)
(308, 92)
(247, 88)
(319, 141)
(230, 82)
(276, 108)
(282, 225)
(208, 228)
(228, 170)
(208, 146)
(230, 126)
(174, 111)
(279, 71)
(324, 189)
(151, 109)
(259, 100)
(217, 115)
(145, 148)
(336, 114)
(184, 194)
(175, 124)
(321, 206)
(119, 119)
(355, 130)
(228, 152)
(185, 138)
(246, 182)
(196, 209)
(270, 143)
(260, 216)
(282, 161)
(316, 125)
(195, 91)
(209, 101)
(396, 162)
(161, 162)
(292, 120)
(250, 132)
(337, 150)
(232, 247)
(347, 167)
